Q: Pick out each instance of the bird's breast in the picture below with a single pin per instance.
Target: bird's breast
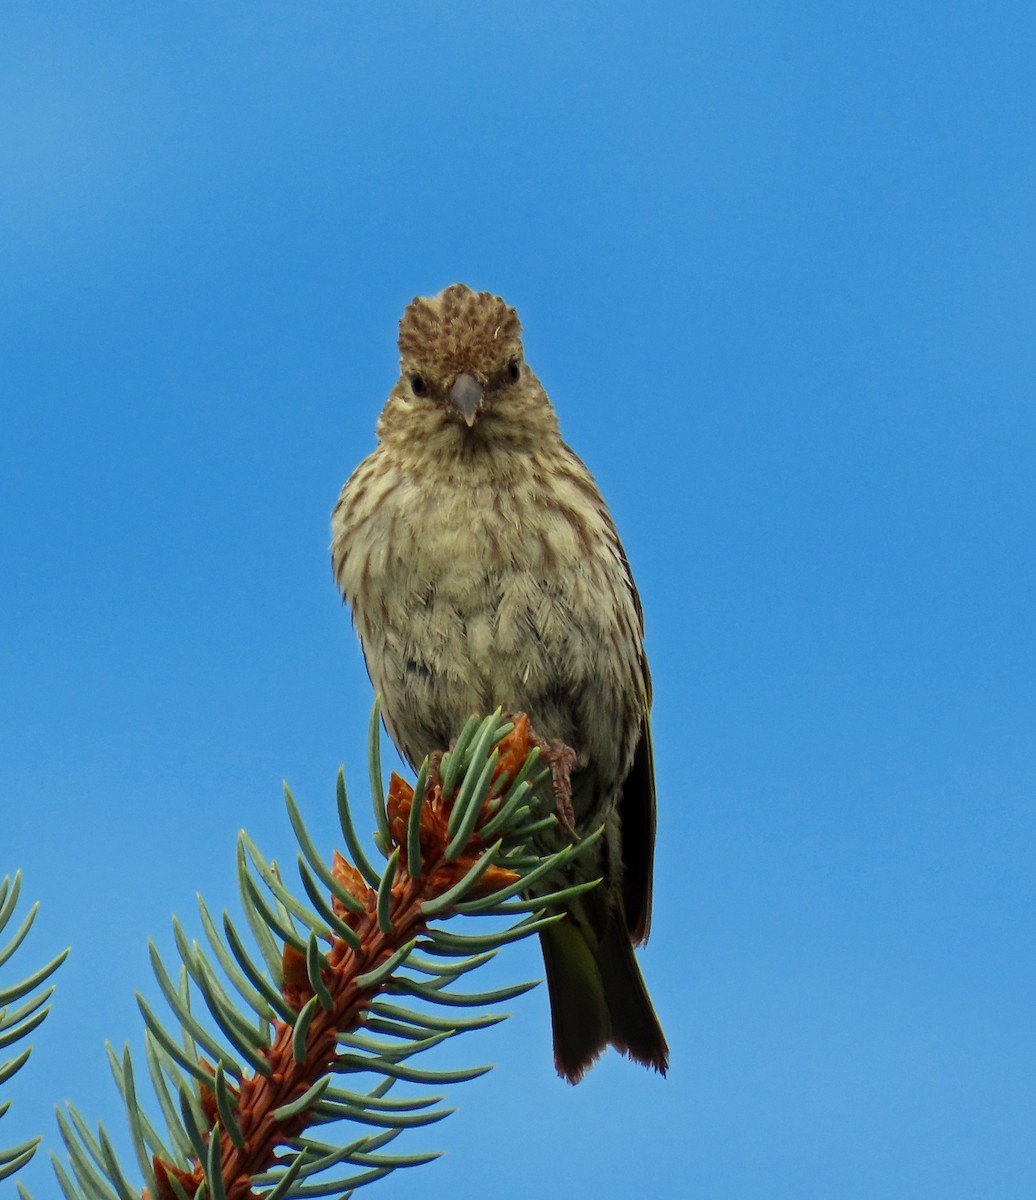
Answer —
(472, 595)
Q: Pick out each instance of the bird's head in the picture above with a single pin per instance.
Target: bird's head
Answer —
(460, 355)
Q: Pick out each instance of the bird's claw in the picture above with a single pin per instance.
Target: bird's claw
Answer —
(562, 760)
(435, 767)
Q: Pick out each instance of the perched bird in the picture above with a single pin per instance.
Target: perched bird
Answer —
(483, 570)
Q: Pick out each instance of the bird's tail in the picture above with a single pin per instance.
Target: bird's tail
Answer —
(597, 993)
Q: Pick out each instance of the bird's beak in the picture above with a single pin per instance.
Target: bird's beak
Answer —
(466, 397)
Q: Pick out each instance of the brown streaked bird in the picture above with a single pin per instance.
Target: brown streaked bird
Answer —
(484, 570)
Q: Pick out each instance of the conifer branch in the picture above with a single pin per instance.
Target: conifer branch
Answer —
(18, 1022)
(334, 990)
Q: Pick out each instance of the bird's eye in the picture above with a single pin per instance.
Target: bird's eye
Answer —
(418, 385)
(514, 368)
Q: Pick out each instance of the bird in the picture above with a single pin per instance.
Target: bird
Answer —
(483, 571)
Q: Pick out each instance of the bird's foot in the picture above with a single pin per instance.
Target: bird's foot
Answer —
(435, 768)
(562, 760)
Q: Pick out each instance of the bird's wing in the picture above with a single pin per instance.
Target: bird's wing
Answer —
(637, 814)
(637, 801)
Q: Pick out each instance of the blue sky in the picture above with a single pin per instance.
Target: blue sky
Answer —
(775, 266)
